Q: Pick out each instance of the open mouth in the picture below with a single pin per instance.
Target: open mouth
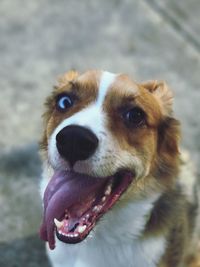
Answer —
(73, 203)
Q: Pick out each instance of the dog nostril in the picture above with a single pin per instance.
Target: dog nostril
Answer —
(76, 143)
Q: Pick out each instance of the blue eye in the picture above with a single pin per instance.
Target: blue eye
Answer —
(64, 102)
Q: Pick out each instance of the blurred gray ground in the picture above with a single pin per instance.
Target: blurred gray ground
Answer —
(41, 39)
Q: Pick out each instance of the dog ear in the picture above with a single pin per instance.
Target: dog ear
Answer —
(167, 160)
(162, 93)
(67, 77)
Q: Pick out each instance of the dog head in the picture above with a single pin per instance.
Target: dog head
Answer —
(107, 138)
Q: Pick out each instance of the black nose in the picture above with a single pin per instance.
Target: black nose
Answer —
(76, 143)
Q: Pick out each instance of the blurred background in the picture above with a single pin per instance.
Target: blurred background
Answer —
(41, 39)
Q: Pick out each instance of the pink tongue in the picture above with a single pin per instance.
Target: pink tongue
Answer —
(64, 190)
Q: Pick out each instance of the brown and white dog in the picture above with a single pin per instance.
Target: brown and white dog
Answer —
(115, 189)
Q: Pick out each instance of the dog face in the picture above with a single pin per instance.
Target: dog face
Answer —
(106, 138)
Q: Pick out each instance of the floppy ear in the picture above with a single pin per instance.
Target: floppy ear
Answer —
(69, 76)
(162, 93)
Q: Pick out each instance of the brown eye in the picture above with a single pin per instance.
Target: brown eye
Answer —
(135, 117)
(64, 102)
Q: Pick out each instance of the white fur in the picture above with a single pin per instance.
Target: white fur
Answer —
(115, 241)
(106, 80)
(97, 254)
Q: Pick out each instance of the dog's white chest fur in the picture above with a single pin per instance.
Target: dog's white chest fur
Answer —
(115, 242)
(97, 254)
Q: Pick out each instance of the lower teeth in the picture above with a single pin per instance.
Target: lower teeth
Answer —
(81, 229)
(58, 223)
(108, 190)
(97, 208)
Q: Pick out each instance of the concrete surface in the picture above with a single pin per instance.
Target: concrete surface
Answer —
(41, 39)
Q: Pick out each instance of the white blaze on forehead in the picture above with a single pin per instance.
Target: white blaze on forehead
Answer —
(107, 79)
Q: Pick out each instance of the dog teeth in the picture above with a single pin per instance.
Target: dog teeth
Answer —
(81, 229)
(68, 234)
(97, 208)
(108, 190)
(75, 235)
(58, 223)
(103, 199)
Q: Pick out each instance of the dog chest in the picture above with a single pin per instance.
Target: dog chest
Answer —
(145, 253)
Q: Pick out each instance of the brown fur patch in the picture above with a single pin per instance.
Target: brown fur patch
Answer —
(157, 141)
(68, 77)
(124, 95)
(163, 94)
(193, 261)
(82, 88)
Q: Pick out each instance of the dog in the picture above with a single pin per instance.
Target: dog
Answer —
(116, 189)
